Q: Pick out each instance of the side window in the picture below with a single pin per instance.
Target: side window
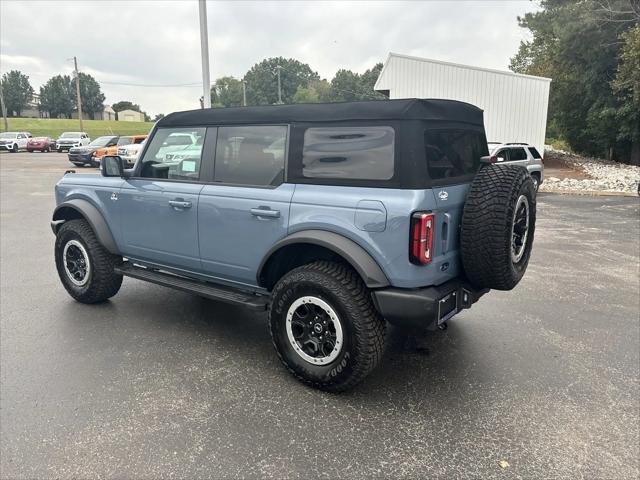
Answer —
(20, 135)
(124, 140)
(503, 155)
(251, 155)
(139, 140)
(358, 153)
(454, 154)
(535, 153)
(518, 154)
(174, 154)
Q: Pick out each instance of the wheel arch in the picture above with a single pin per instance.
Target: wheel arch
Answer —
(83, 209)
(306, 246)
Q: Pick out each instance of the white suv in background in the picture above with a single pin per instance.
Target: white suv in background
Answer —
(72, 139)
(14, 141)
(129, 153)
(520, 154)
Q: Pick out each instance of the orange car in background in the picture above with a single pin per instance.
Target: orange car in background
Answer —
(122, 140)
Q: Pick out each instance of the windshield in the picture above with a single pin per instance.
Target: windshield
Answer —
(101, 141)
(70, 135)
(41, 139)
(8, 135)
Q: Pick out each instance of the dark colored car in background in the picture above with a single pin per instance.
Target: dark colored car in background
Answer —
(91, 154)
(41, 144)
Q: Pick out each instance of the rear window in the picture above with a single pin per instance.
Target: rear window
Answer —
(251, 155)
(454, 154)
(354, 153)
(535, 152)
(518, 154)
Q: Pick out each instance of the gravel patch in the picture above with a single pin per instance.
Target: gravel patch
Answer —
(605, 176)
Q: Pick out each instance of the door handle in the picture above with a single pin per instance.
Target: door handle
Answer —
(265, 212)
(179, 204)
(446, 234)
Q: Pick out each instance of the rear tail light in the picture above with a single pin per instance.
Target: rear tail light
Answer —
(421, 242)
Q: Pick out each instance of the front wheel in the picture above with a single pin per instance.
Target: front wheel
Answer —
(85, 267)
(14, 149)
(536, 182)
(324, 326)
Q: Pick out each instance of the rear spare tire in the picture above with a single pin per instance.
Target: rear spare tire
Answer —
(498, 224)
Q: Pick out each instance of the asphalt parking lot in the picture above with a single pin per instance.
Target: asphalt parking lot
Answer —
(161, 384)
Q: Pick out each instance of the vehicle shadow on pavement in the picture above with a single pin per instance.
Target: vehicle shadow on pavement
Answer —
(413, 363)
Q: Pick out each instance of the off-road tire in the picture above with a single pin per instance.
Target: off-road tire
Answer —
(103, 282)
(363, 327)
(487, 222)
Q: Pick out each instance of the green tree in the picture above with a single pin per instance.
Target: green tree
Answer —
(626, 86)
(348, 86)
(577, 45)
(90, 94)
(158, 116)
(57, 96)
(226, 92)
(306, 95)
(316, 91)
(125, 105)
(262, 80)
(17, 91)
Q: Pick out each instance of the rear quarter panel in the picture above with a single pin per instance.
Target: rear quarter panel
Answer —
(340, 210)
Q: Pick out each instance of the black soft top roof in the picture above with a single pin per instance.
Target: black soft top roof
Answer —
(410, 109)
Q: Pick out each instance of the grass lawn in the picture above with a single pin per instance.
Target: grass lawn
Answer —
(53, 127)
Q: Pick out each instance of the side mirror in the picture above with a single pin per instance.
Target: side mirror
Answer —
(488, 159)
(112, 166)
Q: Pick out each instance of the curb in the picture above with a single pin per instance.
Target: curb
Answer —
(590, 193)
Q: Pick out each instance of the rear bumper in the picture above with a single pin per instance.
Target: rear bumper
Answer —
(425, 307)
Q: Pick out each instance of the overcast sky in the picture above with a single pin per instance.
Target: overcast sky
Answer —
(157, 42)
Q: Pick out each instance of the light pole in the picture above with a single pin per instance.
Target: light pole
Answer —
(279, 86)
(75, 63)
(204, 50)
(244, 93)
(4, 110)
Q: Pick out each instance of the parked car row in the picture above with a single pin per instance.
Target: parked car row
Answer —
(81, 150)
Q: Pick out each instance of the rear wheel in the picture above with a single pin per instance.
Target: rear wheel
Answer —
(324, 326)
(84, 266)
(498, 225)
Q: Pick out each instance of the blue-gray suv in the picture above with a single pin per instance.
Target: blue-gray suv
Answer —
(335, 218)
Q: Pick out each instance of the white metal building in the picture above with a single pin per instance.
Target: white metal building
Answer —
(515, 105)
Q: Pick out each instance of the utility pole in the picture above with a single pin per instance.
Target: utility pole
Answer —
(4, 110)
(204, 50)
(75, 63)
(279, 87)
(244, 93)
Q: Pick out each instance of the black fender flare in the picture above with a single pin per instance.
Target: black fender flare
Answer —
(354, 254)
(92, 215)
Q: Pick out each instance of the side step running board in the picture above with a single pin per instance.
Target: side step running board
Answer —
(219, 293)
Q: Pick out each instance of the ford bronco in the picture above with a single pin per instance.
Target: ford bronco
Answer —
(334, 218)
